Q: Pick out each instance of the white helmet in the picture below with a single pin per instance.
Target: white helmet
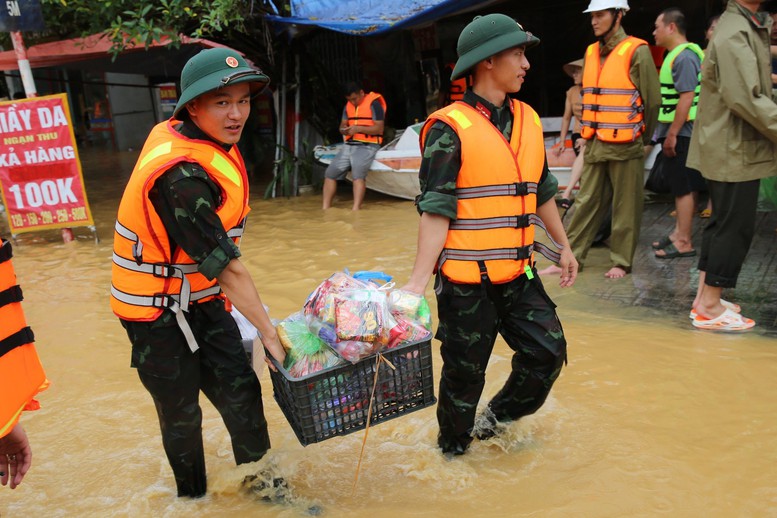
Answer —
(601, 5)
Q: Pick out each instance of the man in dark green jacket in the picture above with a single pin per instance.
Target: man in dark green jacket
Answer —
(734, 145)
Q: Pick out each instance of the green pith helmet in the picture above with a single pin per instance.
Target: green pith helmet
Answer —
(213, 68)
(486, 36)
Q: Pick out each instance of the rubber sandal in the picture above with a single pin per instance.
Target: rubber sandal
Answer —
(662, 243)
(706, 213)
(727, 321)
(671, 252)
(565, 203)
(726, 304)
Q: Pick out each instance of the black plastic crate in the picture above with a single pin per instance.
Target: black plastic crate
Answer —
(336, 401)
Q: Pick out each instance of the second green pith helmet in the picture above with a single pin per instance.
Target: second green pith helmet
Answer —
(486, 36)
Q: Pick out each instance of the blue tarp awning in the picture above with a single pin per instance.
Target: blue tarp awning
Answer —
(369, 17)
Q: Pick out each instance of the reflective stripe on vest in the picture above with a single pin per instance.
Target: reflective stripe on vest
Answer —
(669, 95)
(496, 205)
(362, 116)
(612, 105)
(20, 369)
(148, 277)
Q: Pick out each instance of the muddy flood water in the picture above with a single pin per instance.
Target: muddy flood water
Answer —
(647, 419)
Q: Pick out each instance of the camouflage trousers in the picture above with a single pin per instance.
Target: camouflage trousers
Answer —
(174, 376)
(470, 316)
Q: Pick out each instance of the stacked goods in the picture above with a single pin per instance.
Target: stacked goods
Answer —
(347, 319)
(358, 318)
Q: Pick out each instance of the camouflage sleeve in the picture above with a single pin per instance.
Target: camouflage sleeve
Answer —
(548, 186)
(439, 170)
(186, 199)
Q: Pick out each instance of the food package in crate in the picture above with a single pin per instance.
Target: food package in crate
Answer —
(305, 352)
(355, 318)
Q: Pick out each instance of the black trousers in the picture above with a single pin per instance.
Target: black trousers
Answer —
(470, 317)
(174, 376)
(729, 232)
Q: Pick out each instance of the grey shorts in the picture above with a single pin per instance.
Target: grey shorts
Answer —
(356, 158)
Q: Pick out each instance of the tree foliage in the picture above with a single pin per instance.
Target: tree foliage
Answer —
(129, 22)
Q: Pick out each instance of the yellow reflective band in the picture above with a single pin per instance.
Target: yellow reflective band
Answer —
(589, 51)
(460, 118)
(223, 166)
(537, 120)
(161, 149)
(624, 48)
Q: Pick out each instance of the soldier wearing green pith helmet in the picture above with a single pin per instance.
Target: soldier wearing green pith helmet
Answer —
(485, 190)
(176, 260)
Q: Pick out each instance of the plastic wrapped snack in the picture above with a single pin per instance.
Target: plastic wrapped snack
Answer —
(413, 316)
(305, 352)
(411, 306)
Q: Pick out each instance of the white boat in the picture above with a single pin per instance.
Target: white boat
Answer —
(395, 168)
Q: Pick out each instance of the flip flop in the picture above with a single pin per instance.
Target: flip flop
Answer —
(671, 252)
(727, 321)
(706, 213)
(662, 243)
(565, 203)
(726, 304)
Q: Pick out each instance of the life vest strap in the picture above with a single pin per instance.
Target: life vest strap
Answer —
(486, 191)
(539, 223)
(614, 125)
(171, 302)
(19, 338)
(609, 91)
(11, 295)
(522, 221)
(237, 230)
(137, 248)
(6, 252)
(494, 254)
(549, 254)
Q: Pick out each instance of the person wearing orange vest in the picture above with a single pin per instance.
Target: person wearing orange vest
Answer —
(176, 257)
(452, 90)
(485, 189)
(362, 127)
(21, 374)
(621, 97)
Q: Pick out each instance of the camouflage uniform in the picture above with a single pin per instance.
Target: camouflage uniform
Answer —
(471, 315)
(185, 199)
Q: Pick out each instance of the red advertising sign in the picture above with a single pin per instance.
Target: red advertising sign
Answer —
(40, 173)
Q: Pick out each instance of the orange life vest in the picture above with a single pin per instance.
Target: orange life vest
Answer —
(148, 276)
(458, 86)
(362, 116)
(496, 188)
(21, 373)
(612, 105)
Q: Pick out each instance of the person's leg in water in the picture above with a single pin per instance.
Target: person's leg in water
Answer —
(539, 351)
(361, 163)
(336, 170)
(170, 372)
(467, 332)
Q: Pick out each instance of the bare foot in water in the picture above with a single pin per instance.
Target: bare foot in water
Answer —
(616, 272)
(550, 270)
